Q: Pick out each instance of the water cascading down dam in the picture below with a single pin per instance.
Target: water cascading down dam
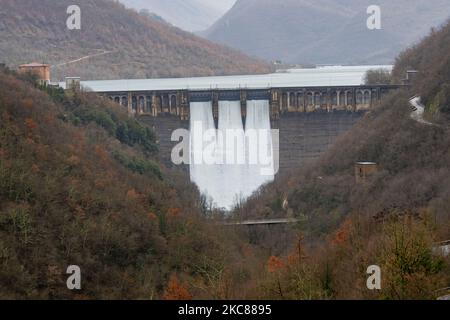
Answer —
(230, 162)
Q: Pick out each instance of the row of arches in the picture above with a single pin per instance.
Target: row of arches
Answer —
(297, 100)
(145, 104)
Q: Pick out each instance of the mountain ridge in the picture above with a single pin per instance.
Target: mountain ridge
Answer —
(396, 215)
(141, 47)
(304, 31)
(189, 15)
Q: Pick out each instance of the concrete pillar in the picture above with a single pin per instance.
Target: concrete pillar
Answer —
(354, 98)
(244, 103)
(305, 99)
(144, 107)
(169, 97)
(185, 105)
(179, 98)
(130, 103)
(288, 95)
(138, 105)
(275, 105)
(154, 106)
(329, 102)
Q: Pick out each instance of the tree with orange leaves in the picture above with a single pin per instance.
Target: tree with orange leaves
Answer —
(27, 103)
(176, 290)
(174, 212)
(274, 264)
(343, 234)
(132, 194)
(31, 125)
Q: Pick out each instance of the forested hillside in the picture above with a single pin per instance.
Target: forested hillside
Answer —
(113, 43)
(432, 59)
(80, 185)
(396, 217)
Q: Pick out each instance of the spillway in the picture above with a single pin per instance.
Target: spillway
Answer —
(228, 163)
(202, 123)
(231, 154)
(259, 145)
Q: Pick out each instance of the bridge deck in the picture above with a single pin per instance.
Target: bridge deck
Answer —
(314, 77)
(262, 222)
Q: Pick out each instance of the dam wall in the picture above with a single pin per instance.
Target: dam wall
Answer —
(303, 136)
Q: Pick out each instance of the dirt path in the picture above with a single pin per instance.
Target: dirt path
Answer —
(418, 111)
(83, 58)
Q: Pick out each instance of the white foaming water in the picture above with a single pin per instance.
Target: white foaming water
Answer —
(202, 175)
(231, 152)
(236, 172)
(258, 120)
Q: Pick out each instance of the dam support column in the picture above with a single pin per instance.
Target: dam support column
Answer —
(215, 107)
(288, 101)
(154, 106)
(274, 104)
(178, 106)
(354, 99)
(329, 100)
(130, 104)
(305, 100)
(185, 110)
(243, 100)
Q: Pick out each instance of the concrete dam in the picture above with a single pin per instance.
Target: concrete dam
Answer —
(308, 112)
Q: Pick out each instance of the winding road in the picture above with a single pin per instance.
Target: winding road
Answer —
(418, 111)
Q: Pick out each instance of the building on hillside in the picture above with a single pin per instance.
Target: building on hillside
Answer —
(40, 70)
(442, 248)
(364, 170)
(410, 77)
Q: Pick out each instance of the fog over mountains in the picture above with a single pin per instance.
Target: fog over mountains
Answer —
(326, 31)
(189, 15)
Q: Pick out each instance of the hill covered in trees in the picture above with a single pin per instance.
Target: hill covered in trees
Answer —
(326, 31)
(432, 60)
(119, 42)
(395, 218)
(80, 184)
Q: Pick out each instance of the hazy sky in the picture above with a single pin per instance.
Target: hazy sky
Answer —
(220, 4)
